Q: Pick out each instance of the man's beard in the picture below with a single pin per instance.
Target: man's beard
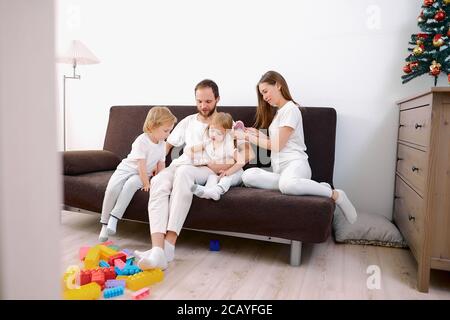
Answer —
(209, 113)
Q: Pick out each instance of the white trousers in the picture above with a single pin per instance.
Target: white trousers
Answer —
(171, 196)
(225, 183)
(120, 190)
(293, 178)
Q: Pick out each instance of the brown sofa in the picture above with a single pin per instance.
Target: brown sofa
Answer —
(244, 212)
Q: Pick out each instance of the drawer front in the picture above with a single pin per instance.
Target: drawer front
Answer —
(415, 125)
(408, 215)
(412, 165)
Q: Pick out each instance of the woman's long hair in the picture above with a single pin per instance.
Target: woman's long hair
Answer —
(264, 111)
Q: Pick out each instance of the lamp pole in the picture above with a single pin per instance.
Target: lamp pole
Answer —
(74, 76)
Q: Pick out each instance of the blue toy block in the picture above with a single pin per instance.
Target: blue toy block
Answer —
(214, 245)
(112, 283)
(103, 264)
(113, 292)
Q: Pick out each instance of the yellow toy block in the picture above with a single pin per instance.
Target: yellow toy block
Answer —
(92, 258)
(90, 291)
(70, 276)
(122, 278)
(106, 252)
(144, 279)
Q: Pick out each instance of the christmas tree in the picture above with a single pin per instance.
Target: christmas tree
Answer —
(430, 53)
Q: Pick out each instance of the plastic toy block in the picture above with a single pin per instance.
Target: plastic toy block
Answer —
(140, 294)
(92, 258)
(127, 271)
(85, 277)
(98, 276)
(83, 252)
(115, 283)
(214, 245)
(128, 252)
(110, 273)
(144, 279)
(114, 247)
(107, 243)
(113, 292)
(69, 280)
(119, 264)
(122, 256)
(130, 260)
(89, 291)
(106, 252)
(103, 264)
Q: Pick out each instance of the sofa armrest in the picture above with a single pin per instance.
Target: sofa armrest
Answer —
(79, 162)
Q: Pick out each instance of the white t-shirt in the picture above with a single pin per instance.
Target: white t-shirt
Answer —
(295, 149)
(189, 131)
(144, 148)
(222, 152)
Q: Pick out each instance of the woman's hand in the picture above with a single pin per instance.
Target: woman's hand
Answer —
(240, 135)
(252, 131)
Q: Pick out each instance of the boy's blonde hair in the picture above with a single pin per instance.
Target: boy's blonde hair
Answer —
(156, 117)
(223, 119)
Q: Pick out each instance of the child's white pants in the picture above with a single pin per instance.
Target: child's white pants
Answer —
(171, 196)
(293, 178)
(120, 190)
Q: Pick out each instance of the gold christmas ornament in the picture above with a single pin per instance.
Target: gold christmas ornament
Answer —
(418, 51)
(438, 41)
(435, 68)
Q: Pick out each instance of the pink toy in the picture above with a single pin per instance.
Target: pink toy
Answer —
(119, 264)
(83, 252)
(140, 294)
(107, 243)
(239, 125)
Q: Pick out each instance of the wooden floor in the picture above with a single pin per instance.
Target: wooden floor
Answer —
(251, 269)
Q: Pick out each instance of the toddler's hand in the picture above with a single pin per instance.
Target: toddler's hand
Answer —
(146, 187)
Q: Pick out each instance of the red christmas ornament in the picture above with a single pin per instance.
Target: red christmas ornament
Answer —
(407, 68)
(438, 41)
(440, 15)
(428, 3)
(435, 68)
(448, 32)
(414, 64)
(448, 77)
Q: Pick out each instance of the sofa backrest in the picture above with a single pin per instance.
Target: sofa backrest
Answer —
(319, 125)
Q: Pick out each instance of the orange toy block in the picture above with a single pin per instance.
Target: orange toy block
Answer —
(83, 252)
(144, 279)
(106, 252)
(92, 258)
(89, 291)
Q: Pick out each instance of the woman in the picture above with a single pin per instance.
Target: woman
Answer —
(291, 173)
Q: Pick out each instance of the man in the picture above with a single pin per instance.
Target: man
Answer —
(170, 190)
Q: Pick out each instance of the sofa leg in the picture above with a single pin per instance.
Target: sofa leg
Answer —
(296, 253)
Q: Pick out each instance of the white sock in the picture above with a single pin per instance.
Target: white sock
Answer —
(206, 193)
(156, 259)
(169, 250)
(112, 225)
(103, 234)
(346, 206)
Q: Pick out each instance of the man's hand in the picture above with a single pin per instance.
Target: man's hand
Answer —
(146, 186)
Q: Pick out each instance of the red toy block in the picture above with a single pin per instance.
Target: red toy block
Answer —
(140, 294)
(122, 256)
(98, 276)
(83, 252)
(110, 274)
(107, 243)
(85, 277)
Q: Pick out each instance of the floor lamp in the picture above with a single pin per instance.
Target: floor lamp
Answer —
(77, 54)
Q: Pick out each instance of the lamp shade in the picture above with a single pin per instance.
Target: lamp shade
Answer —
(78, 53)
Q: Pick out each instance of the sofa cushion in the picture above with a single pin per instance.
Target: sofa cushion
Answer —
(79, 162)
(245, 210)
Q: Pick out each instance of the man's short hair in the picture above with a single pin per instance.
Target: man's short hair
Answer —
(207, 83)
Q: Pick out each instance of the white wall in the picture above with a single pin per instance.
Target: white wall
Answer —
(30, 190)
(345, 54)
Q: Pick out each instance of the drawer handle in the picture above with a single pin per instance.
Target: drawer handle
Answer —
(402, 125)
(418, 126)
(398, 159)
(397, 197)
(411, 218)
(414, 169)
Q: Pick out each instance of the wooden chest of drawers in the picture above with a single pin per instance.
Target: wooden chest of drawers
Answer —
(422, 182)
